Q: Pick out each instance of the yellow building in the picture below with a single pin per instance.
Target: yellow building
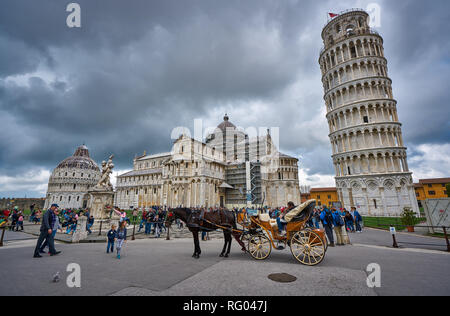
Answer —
(325, 196)
(431, 189)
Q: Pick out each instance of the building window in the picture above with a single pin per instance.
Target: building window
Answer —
(430, 186)
(366, 119)
(78, 198)
(375, 203)
(329, 197)
(318, 197)
(432, 192)
(74, 186)
(417, 194)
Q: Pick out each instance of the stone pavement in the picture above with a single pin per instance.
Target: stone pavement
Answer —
(383, 238)
(161, 267)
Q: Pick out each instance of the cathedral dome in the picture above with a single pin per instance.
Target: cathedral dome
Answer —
(226, 124)
(80, 159)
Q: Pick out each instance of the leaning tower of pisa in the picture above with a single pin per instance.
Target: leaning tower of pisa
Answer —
(369, 155)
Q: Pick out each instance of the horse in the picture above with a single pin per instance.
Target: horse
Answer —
(197, 221)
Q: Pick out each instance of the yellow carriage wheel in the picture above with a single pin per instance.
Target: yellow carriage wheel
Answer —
(308, 248)
(259, 247)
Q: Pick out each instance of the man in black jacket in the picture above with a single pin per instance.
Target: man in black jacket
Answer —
(48, 221)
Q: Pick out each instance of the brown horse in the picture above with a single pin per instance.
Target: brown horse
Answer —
(207, 221)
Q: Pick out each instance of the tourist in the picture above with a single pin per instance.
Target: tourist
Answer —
(122, 214)
(55, 228)
(280, 222)
(338, 222)
(121, 237)
(89, 224)
(19, 222)
(316, 218)
(32, 211)
(327, 221)
(14, 218)
(47, 225)
(143, 220)
(37, 217)
(135, 216)
(358, 220)
(157, 231)
(32, 215)
(349, 221)
(72, 224)
(112, 235)
(148, 224)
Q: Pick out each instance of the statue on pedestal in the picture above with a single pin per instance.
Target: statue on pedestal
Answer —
(104, 183)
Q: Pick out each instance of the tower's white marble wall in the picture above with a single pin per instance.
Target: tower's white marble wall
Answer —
(369, 155)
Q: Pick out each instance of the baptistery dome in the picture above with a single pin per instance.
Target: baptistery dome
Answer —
(71, 180)
(80, 159)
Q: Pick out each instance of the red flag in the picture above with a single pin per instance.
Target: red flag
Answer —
(333, 15)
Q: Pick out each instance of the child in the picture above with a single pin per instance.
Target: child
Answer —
(19, 222)
(121, 237)
(112, 234)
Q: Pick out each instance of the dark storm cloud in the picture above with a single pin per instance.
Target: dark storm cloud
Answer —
(137, 69)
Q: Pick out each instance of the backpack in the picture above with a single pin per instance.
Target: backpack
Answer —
(339, 220)
(329, 218)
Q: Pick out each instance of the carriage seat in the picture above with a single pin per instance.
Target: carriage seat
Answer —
(266, 218)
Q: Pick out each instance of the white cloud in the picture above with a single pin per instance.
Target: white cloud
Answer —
(33, 182)
(430, 161)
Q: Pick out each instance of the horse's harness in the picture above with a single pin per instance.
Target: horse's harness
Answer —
(201, 218)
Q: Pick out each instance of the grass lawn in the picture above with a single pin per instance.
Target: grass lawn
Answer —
(386, 222)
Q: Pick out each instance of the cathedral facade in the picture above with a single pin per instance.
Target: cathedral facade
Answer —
(229, 169)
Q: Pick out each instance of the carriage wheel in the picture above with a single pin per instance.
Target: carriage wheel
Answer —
(308, 248)
(259, 247)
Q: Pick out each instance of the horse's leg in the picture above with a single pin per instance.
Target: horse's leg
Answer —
(196, 244)
(229, 244)
(239, 240)
(224, 244)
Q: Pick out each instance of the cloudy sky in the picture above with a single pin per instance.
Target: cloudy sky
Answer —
(137, 69)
